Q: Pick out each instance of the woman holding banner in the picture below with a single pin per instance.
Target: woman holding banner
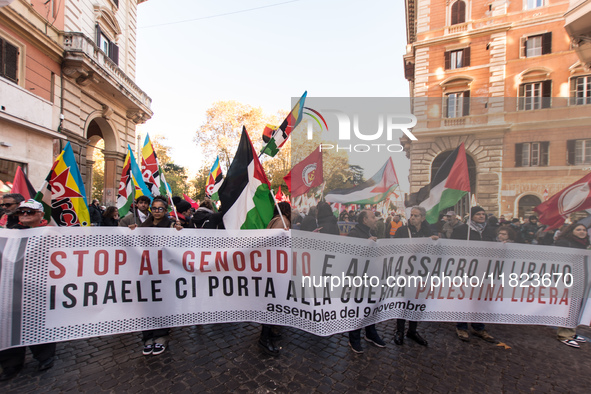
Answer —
(574, 236)
(155, 341)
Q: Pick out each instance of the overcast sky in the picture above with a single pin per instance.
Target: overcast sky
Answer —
(191, 54)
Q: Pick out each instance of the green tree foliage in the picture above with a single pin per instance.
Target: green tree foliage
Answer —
(199, 183)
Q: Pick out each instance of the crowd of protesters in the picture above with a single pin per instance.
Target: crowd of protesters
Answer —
(16, 213)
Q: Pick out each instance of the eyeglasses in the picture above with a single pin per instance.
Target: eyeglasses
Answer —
(30, 213)
(158, 209)
(8, 204)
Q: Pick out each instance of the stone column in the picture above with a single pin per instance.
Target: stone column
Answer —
(113, 168)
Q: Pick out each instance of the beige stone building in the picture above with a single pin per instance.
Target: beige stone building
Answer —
(87, 92)
(503, 78)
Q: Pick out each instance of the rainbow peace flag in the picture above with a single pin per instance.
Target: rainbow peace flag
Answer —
(141, 189)
(63, 195)
(275, 136)
(152, 173)
(214, 180)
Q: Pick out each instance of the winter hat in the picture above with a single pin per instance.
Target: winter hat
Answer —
(182, 206)
(475, 210)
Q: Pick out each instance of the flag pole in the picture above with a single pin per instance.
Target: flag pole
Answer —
(278, 209)
(469, 215)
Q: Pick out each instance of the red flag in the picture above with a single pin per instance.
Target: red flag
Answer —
(573, 198)
(193, 203)
(22, 185)
(306, 174)
(279, 196)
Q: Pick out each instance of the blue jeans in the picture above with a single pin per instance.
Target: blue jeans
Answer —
(475, 326)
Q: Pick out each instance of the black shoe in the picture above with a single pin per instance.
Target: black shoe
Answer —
(9, 373)
(375, 340)
(46, 364)
(356, 347)
(399, 338)
(268, 346)
(417, 338)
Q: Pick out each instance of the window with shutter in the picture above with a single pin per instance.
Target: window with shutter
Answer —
(546, 43)
(457, 104)
(582, 152)
(8, 61)
(531, 154)
(580, 90)
(518, 155)
(535, 95)
(458, 12)
(457, 59)
(466, 107)
(544, 155)
(546, 94)
(570, 152)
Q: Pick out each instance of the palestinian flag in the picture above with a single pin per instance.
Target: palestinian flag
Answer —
(126, 193)
(278, 135)
(22, 185)
(371, 191)
(449, 185)
(214, 180)
(247, 202)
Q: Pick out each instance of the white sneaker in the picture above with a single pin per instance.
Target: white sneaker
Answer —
(571, 343)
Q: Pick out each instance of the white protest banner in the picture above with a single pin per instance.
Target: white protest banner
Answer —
(60, 284)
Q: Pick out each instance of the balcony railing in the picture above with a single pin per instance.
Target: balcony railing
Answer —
(77, 43)
(458, 28)
(454, 121)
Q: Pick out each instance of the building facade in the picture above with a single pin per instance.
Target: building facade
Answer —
(91, 87)
(30, 71)
(503, 78)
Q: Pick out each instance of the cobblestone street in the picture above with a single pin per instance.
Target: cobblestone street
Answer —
(225, 358)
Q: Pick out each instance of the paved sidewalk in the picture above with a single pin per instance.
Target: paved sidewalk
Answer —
(225, 358)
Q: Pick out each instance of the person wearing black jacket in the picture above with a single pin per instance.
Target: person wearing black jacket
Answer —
(366, 223)
(574, 236)
(309, 223)
(417, 227)
(327, 222)
(96, 216)
(155, 341)
(478, 231)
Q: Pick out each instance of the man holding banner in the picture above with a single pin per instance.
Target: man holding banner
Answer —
(475, 230)
(366, 223)
(30, 215)
(417, 227)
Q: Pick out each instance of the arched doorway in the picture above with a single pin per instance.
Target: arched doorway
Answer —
(463, 206)
(526, 205)
(102, 147)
